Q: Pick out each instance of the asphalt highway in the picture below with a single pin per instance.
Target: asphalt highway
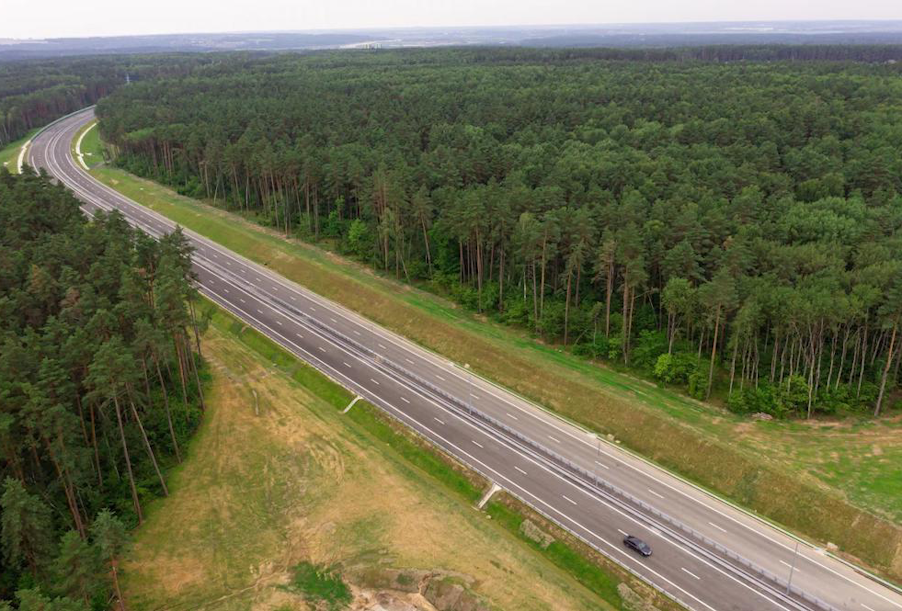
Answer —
(708, 554)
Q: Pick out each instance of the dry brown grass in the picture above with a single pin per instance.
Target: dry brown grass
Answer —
(300, 482)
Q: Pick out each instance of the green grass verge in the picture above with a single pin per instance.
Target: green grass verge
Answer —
(817, 493)
(560, 554)
(375, 424)
(9, 154)
(91, 146)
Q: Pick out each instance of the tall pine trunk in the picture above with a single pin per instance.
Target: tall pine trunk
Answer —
(889, 361)
(128, 462)
(713, 354)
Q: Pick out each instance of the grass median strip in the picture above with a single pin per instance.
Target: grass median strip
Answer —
(803, 484)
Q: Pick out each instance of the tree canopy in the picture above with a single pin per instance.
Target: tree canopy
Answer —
(95, 336)
(738, 221)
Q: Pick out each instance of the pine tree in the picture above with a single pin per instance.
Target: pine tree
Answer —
(110, 538)
(27, 531)
(76, 568)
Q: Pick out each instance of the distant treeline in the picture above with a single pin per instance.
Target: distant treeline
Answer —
(100, 389)
(707, 53)
(734, 227)
(34, 93)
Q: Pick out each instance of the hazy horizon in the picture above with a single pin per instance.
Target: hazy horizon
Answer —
(64, 19)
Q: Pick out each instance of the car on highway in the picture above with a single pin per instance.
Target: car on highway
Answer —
(637, 544)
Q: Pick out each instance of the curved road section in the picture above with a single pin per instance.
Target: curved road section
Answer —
(708, 554)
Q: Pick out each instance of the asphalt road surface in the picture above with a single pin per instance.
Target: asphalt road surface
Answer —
(708, 554)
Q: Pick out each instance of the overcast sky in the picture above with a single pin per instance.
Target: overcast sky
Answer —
(54, 18)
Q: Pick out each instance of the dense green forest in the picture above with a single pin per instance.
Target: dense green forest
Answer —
(99, 389)
(34, 93)
(724, 226)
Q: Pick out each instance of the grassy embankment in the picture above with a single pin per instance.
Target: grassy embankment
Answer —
(262, 500)
(91, 146)
(815, 478)
(9, 154)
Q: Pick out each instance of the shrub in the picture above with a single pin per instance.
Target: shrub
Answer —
(697, 384)
(360, 240)
(753, 400)
(320, 584)
(647, 348)
(597, 347)
(792, 396)
(676, 368)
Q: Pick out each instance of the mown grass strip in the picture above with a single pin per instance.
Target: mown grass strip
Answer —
(429, 461)
(592, 576)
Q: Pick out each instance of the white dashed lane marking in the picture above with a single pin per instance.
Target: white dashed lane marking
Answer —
(691, 574)
(520, 470)
(476, 443)
(569, 500)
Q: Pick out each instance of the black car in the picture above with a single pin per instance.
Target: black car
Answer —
(637, 544)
